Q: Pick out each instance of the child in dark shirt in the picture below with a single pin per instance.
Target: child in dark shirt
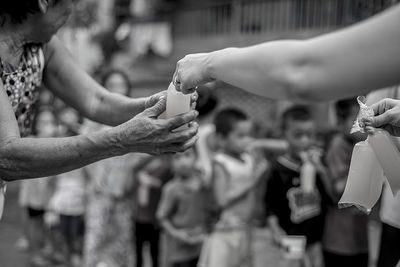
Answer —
(297, 185)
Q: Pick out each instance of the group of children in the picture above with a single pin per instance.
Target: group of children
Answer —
(303, 186)
(209, 208)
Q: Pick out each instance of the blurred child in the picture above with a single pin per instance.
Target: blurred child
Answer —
(297, 202)
(69, 199)
(151, 174)
(34, 194)
(181, 211)
(206, 145)
(235, 176)
(108, 232)
(345, 239)
(108, 221)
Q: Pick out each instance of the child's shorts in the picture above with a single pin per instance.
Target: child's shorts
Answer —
(188, 263)
(35, 213)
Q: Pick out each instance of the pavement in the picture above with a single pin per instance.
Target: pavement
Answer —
(266, 254)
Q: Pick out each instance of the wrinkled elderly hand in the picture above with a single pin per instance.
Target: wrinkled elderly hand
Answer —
(192, 71)
(387, 116)
(147, 134)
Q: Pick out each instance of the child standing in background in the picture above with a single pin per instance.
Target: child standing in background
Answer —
(69, 198)
(297, 202)
(151, 174)
(182, 212)
(35, 193)
(235, 177)
(68, 201)
(108, 235)
(345, 239)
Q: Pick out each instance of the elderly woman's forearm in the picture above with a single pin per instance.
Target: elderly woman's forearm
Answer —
(67, 80)
(26, 158)
(114, 109)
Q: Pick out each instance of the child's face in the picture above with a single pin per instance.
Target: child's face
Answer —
(116, 84)
(239, 138)
(301, 135)
(183, 163)
(46, 124)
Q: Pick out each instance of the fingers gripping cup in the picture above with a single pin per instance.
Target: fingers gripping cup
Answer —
(177, 104)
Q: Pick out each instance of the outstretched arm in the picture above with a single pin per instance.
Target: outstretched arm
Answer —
(348, 62)
(24, 158)
(72, 84)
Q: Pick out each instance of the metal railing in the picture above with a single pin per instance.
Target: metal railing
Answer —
(255, 17)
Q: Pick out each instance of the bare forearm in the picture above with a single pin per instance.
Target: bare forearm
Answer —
(262, 69)
(113, 109)
(93, 101)
(75, 87)
(336, 65)
(271, 145)
(25, 158)
(285, 70)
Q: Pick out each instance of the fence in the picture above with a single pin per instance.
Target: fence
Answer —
(254, 17)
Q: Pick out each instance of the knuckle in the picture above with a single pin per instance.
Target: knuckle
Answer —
(195, 126)
(180, 120)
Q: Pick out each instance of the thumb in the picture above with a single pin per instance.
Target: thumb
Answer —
(152, 100)
(156, 110)
(380, 120)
